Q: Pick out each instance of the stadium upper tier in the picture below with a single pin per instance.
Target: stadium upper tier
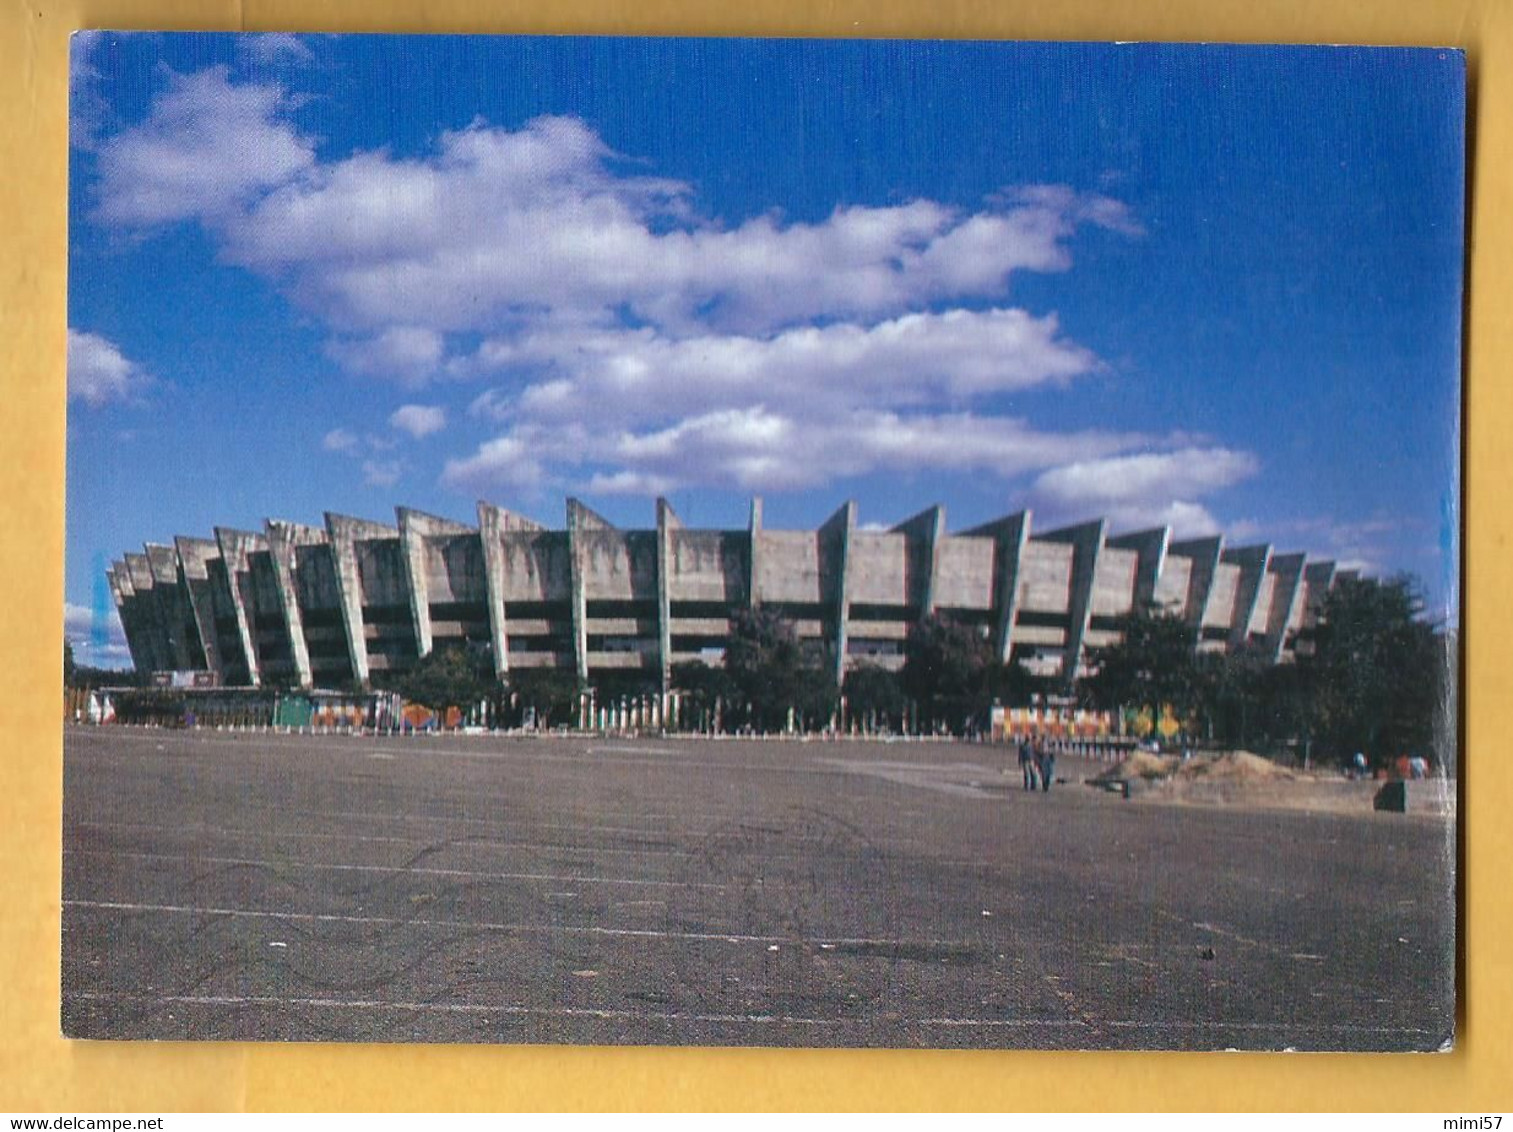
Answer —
(326, 607)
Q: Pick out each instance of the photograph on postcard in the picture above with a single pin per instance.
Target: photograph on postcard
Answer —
(762, 542)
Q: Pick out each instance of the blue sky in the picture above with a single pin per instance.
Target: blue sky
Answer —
(1215, 287)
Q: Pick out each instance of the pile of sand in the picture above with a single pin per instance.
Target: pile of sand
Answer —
(1234, 766)
(1141, 764)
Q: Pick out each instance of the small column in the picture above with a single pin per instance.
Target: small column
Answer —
(344, 531)
(1150, 559)
(1204, 554)
(1087, 542)
(1252, 562)
(194, 554)
(924, 532)
(145, 605)
(414, 528)
(667, 523)
(753, 592)
(579, 601)
(1286, 602)
(1009, 534)
(490, 527)
(838, 530)
(235, 546)
(493, 523)
(122, 590)
(283, 539)
(173, 606)
(579, 520)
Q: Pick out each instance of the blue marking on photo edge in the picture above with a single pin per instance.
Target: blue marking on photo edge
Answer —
(99, 614)
(1448, 558)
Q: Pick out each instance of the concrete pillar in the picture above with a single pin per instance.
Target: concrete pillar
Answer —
(667, 522)
(1286, 602)
(1204, 554)
(343, 532)
(580, 519)
(490, 528)
(235, 546)
(1150, 559)
(1009, 534)
(1252, 561)
(753, 592)
(144, 604)
(414, 528)
(124, 593)
(835, 537)
(173, 608)
(493, 522)
(1087, 543)
(283, 539)
(924, 532)
(194, 555)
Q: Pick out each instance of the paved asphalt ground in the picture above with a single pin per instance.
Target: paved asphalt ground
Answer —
(593, 891)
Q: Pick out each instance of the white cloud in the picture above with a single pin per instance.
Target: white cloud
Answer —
(505, 461)
(1144, 489)
(1186, 518)
(408, 354)
(339, 440)
(80, 622)
(207, 147)
(499, 227)
(1146, 474)
(757, 449)
(381, 473)
(364, 451)
(419, 420)
(98, 372)
(1241, 530)
(636, 342)
(275, 49)
(1353, 544)
(914, 359)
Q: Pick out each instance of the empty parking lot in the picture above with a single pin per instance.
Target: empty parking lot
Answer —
(499, 889)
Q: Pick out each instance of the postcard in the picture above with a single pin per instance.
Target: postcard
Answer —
(762, 542)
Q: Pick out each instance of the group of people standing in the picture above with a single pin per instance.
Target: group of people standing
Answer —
(1037, 762)
(1403, 767)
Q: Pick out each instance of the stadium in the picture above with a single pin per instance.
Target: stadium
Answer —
(336, 607)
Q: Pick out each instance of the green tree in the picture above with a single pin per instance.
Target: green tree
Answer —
(946, 665)
(1153, 664)
(699, 679)
(68, 663)
(772, 672)
(625, 684)
(704, 690)
(875, 698)
(447, 677)
(1378, 673)
(1227, 684)
(1014, 685)
(551, 693)
(162, 706)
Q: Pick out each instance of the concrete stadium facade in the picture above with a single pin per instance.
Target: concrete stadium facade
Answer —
(295, 605)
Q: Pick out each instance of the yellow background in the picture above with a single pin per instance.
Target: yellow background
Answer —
(41, 1072)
